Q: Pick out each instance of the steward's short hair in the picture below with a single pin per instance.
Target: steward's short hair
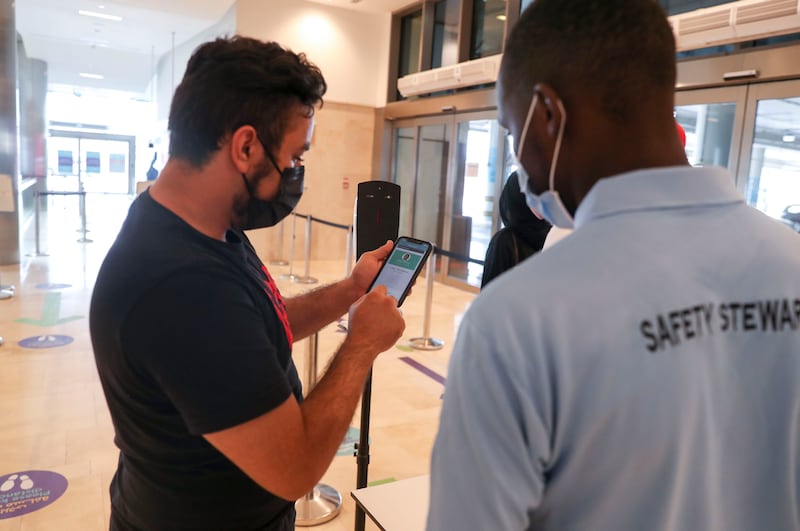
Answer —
(620, 49)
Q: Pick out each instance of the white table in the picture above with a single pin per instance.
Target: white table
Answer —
(397, 506)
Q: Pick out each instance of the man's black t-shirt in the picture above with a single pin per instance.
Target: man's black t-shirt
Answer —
(190, 336)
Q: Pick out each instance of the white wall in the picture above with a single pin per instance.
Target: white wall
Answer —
(167, 64)
(351, 48)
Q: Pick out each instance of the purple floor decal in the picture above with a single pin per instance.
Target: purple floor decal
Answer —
(45, 341)
(26, 492)
(424, 370)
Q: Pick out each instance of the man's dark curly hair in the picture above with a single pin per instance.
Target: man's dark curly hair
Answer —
(236, 81)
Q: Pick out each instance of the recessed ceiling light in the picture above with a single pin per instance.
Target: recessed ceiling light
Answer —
(500, 17)
(99, 15)
(788, 138)
(91, 76)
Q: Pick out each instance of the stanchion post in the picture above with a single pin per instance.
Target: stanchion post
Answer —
(279, 261)
(37, 212)
(324, 502)
(306, 278)
(37, 218)
(6, 292)
(426, 342)
(290, 275)
(348, 253)
(82, 203)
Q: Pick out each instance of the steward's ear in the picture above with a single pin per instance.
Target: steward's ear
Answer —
(553, 105)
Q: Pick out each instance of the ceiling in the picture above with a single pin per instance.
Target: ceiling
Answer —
(127, 52)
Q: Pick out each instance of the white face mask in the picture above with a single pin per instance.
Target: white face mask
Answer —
(548, 205)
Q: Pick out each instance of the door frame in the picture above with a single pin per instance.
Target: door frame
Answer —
(734, 94)
(757, 92)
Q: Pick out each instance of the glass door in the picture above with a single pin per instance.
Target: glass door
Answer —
(754, 131)
(429, 197)
(105, 166)
(447, 168)
(405, 174)
(476, 183)
(420, 167)
(92, 162)
(712, 119)
(452, 168)
(769, 175)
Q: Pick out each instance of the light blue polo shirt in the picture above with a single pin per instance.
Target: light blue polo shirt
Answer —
(642, 374)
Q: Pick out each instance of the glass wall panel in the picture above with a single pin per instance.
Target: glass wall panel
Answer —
(410, 39)
(404, 173)
(773, 184)
(445, 33)
(674, 7)
(709, 132)
(488, 28)
(429, 207)
(473, 196)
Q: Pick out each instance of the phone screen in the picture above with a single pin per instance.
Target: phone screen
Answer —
(402, 267)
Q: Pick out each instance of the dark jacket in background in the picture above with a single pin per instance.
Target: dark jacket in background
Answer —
(523, 233)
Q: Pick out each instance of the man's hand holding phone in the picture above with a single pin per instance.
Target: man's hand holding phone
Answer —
(375, 322)
(399, 271)
(368, 265)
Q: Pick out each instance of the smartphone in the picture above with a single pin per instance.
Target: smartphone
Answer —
(401, 268)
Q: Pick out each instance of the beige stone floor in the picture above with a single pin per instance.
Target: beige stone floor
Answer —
(53, 415)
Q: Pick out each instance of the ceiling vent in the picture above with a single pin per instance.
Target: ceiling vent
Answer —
(735, 22)
(465, 74)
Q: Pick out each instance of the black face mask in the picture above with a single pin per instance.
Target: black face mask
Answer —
(262, 214)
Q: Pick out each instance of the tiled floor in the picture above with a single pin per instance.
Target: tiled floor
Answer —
(53, 415)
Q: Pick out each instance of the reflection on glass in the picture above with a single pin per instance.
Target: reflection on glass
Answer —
(403, 174)
(488, 28)
(674, 7)
(434, 146)
(445, 33)
(524, 4)
(410, 37)
(473, 197)
(709, 132)
(774, 181)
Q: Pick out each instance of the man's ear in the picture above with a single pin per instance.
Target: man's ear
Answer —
(241, 141)
(553, 105)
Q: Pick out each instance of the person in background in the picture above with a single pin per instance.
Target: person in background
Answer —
(192, 339)
(152, 172)
(644, 372)
(522, 236)
(681, 133)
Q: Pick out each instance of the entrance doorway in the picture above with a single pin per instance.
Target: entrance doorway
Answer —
(451, 170)
(91, 162)
(754, 131)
